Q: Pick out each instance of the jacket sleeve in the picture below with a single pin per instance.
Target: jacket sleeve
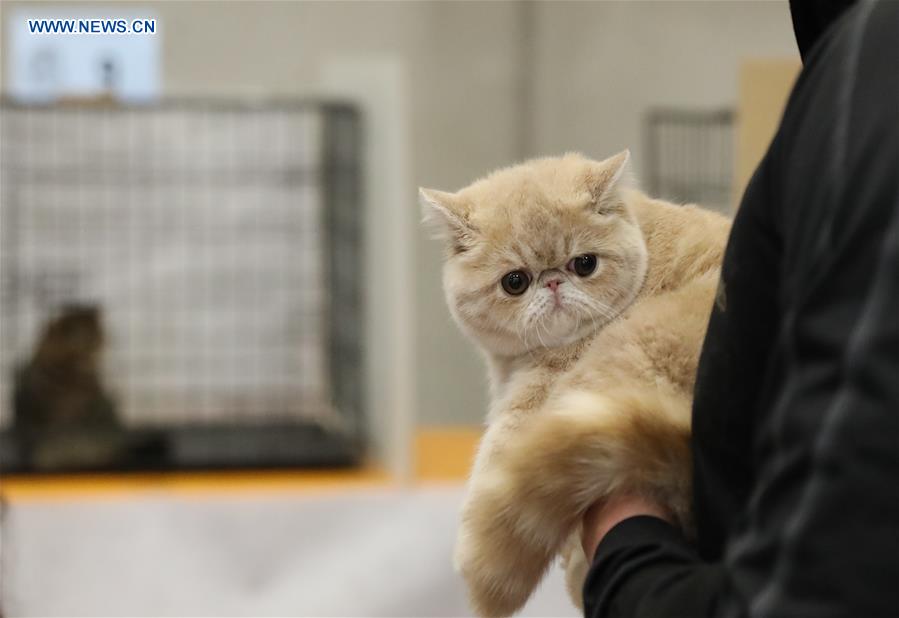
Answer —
(644, 567)
(820, 532)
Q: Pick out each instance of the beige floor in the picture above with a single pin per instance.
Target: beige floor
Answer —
(352, 552)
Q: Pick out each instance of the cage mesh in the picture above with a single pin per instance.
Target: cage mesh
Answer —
(690, 156)
(220, 242)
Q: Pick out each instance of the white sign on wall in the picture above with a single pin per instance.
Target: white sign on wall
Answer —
(66, 51)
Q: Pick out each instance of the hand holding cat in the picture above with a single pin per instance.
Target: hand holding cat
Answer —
(606, 514)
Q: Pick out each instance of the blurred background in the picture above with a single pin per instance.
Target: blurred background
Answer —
(229, 381)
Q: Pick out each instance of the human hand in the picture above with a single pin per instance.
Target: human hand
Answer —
(605, 514)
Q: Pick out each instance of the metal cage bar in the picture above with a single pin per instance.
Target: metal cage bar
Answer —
(690, 156)
(219, 242)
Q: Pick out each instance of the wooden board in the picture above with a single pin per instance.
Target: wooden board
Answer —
(764, 86)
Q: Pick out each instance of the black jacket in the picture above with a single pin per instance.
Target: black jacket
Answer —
(796, 411)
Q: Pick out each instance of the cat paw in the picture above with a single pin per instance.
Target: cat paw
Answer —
(496, 586)
(575, 565)
(500, 561)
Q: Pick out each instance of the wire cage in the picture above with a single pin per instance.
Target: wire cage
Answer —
(180, 285)
(690, 156)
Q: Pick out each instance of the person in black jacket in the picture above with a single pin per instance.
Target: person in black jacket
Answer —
(796, 411)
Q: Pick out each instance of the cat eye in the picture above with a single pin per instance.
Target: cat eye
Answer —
(515, 282)
(582, 265)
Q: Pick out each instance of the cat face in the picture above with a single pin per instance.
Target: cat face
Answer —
(72, 339)
(540, 254)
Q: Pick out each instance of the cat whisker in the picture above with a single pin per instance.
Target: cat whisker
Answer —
(537, 331)
(601, 308)
(587, 306)
(524, 327)
(524, 341)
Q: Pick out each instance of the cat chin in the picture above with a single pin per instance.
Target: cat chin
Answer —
(505, 345)
(564, 328)
(568, 335)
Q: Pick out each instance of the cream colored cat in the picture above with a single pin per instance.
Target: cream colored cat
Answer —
(590, 301)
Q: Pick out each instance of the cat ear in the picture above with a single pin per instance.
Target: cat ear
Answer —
(446, 214)
(603, 179)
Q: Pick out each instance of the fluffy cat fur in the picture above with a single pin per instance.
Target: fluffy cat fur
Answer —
(591, 376)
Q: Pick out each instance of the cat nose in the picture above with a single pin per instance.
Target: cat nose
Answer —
(552, 284)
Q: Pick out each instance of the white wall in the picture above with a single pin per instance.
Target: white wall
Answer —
(601, 65)
(591, 71)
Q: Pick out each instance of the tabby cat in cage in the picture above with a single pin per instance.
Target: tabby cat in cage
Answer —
(62, 412)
